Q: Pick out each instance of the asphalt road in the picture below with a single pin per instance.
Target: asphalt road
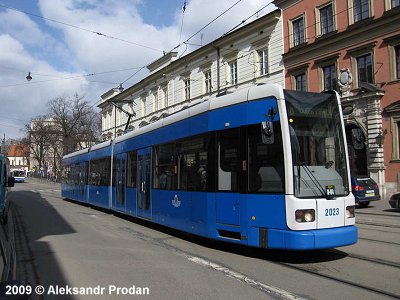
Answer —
(65, 245)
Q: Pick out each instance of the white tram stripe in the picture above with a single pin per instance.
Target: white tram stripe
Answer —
(243, 278)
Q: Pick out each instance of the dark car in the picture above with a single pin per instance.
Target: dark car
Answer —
(394, 200)
(365, 190)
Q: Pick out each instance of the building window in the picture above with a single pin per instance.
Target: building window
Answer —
(263, 61)
(361, 9)
(165, 95)
(187, 88)
(301, 82)
(207, 81)
(329, 73)
(155, 98)
(298, 32)
(326, 19)
(395, 3)
(397, 55)
(398, 138)
(233, 72)
(143, 107)
(396, 135)
(364, 69)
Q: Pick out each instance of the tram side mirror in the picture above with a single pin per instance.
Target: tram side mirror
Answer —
(267, 132)
(11, 181)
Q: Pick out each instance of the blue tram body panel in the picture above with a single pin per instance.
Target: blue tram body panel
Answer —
(219, 119)
(181, 210)
(99, 196)
(257, 220)
(227, 207)
(131, 201)
(70, 190)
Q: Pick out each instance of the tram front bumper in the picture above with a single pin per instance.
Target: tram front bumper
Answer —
(312, 239)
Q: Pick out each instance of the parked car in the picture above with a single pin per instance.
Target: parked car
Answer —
(365, 190)
(394, 200)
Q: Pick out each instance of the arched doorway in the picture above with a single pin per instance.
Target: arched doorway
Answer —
(356, 145)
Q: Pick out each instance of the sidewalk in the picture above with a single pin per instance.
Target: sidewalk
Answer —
(42, 180)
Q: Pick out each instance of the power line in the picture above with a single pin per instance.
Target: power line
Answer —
(197, 32)
(208, 24)
(80, 28)
(251, 74)
(183, 16)
(245, 20)
(65, 78)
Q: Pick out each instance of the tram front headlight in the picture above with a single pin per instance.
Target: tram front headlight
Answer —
(350, 211)
(305, 215)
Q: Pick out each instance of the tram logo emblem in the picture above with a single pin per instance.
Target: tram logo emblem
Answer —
(176, 202)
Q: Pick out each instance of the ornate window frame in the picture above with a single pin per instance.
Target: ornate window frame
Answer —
(318, 29)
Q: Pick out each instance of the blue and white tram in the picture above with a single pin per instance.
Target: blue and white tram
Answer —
(263, 167)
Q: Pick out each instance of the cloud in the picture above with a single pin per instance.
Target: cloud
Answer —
(21, 100)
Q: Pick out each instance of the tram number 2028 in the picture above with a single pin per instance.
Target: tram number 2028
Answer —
(330, 212)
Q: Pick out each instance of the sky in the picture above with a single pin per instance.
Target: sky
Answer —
(90, 46)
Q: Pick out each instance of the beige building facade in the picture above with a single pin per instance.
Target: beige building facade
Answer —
(247, 56)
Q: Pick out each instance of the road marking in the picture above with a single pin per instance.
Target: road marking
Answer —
(247, 280)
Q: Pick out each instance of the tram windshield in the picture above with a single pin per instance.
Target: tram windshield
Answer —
(18, 173)
(317, 143)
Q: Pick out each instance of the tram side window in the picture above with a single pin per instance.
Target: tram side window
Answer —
(67, 174)
(116, 170)
(228, 160)
(266, 165)
(192, 163)
(181, 165)
(100, 172)
(75, 173)
(131, 170)
(165, 167)
(86, 172)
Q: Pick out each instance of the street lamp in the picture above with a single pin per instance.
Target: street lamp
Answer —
(380, 138)
(29, 77)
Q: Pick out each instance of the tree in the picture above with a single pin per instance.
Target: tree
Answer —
(38, 133)
(78, 124)
(70, 124)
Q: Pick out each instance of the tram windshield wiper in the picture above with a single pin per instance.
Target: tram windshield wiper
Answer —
(315, 181)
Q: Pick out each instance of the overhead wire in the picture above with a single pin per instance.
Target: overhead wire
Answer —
(183, 16)
(208, 24)
(197, 32)
(57, 77)
(141, 68)
(251, 73)
(245, 20)
(81, 28)
(105, 35)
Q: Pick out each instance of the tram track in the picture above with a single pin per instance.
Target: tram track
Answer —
(369, 259)
(245, 278)
(341, 280)
(274, 257)
(379, 241)
(376, 214)
(377, 224)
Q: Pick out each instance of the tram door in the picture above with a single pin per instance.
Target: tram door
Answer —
(144, 183)
(119, 181)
